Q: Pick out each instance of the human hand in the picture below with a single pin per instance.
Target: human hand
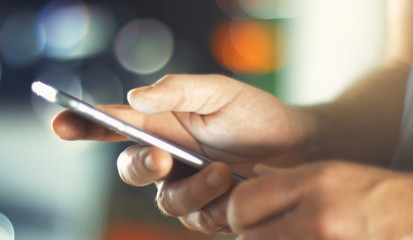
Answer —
(215, 116)
(334, 201)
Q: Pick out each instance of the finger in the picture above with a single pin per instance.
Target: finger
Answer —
(261, 170)
(70, 126)
(202, 94)
(210, 219)
(277, 227)
(260, 198)
(190, 194)
(140, 166)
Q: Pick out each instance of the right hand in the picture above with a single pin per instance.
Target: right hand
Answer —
(230, 122)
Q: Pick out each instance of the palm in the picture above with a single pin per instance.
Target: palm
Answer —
(249, 129)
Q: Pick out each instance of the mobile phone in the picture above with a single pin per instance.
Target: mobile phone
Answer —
(135, 134)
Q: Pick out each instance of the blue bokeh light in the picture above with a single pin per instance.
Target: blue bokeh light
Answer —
(20, 43)
(64, 25)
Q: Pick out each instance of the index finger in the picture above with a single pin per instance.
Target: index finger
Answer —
(70, 126)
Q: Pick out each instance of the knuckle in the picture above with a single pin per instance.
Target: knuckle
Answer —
(125, 166)
(236, 205)
(178, 198)
(327, 174)
(209, 222)
(165, 203)
(129, 167)
(122, 165)
(324, 225)
(205, 221)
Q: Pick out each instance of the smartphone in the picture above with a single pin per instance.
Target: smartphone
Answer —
(135, 134)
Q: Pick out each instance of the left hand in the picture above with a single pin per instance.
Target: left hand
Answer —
(332, 200)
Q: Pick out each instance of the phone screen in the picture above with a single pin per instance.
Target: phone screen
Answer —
(138, 135)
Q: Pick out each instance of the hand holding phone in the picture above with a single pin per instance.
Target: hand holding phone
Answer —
(134, 134)
(229, 121)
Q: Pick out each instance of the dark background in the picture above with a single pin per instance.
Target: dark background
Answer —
(123, 212)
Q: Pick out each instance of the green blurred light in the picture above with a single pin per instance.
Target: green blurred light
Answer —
(272, 9)
(144, 46)
(6, 228)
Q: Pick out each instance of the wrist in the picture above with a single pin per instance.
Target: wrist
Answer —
(308, 127)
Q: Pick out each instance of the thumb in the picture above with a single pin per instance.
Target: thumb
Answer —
(261, 170)
(202, 94)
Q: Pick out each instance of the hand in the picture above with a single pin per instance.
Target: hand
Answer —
(323, 201)
(216, 116)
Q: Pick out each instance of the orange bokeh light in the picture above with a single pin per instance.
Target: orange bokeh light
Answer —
(250, 47)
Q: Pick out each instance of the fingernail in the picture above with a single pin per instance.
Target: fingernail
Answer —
(150, 164)
(259, 170)
(214, 179)
(131, 92)
(241, 237)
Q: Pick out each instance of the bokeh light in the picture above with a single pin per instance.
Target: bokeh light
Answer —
(20, 43)
(64, 24)
(144, 46)
(272, 9)
(64, 80)
(102, 86)
(249, 47)
(6, 228)
(98, 36)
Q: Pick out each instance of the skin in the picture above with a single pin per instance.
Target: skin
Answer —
(321, 162)
(311, 202)
(198, 112)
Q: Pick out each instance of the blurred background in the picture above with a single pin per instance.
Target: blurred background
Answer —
(303, 51)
